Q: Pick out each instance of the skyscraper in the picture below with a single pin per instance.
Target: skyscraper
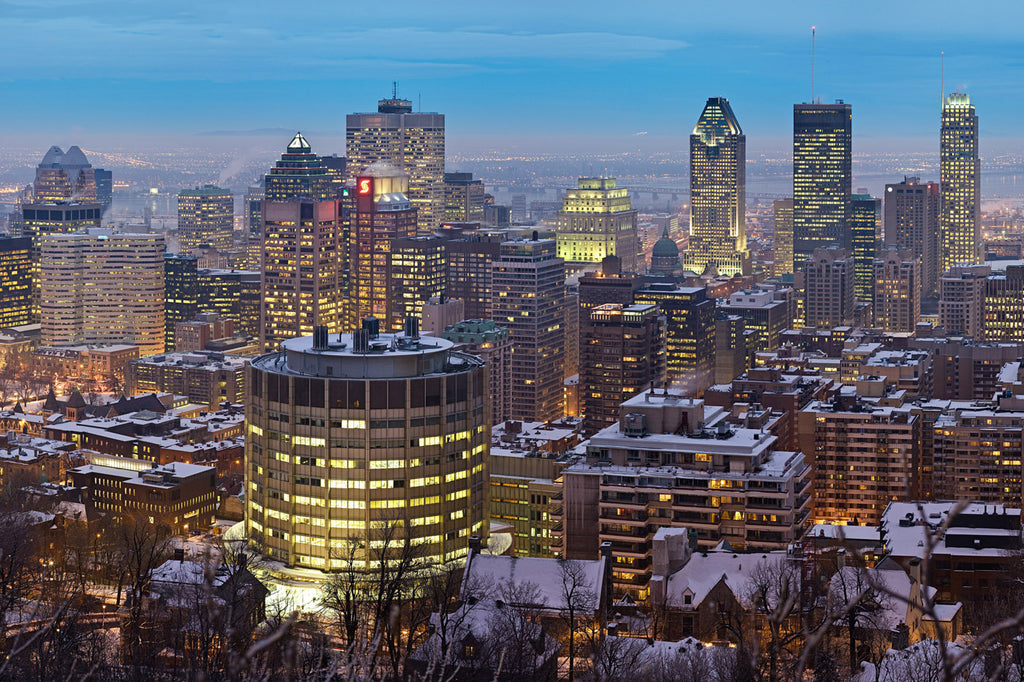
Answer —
(528, 284)
(828, 282)
(689, 334)
(181, 293)
(64, 177)
(912, 224)
(463, 198)
(469, 269)
(206, 215)
(15, 281)
(298, 173)
(822, 176)
(718, 187)
(782, 262)
(102, 287)
(897, 290)
(865, 220)
(412, 142)
(596, 220)
(622, 352)
(960, 177)
(418, 273)
(301, 274)
(380, 214)
(962, 299)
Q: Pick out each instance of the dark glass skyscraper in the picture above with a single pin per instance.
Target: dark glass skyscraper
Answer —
(822, 176)
(15, 281)
(865, 214)
(960, 177)
(718, 185)
(181, 293)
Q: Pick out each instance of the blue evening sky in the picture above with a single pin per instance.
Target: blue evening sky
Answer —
(524, 75)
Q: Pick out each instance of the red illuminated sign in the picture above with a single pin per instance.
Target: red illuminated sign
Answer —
(365, 185)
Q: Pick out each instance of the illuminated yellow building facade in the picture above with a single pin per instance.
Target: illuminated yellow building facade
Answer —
(718, 188)
(597, 220)
(412, 142)
(351, 436)
(206, 215)
(822, 176)
(380, 215)
(960, 181)
(301, 273)
(782, 262)
(101, 287)
(15, 281)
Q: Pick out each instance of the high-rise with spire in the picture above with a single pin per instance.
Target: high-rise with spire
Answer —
(718, 183)
(960, 181)
(299, 173)
(303, 248)
(413, 142)
(822, 176)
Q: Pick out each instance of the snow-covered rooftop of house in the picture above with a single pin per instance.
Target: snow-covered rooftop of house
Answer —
(545, 579)
(702, 572)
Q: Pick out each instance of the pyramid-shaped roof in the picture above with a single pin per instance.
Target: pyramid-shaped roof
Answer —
(75, 157)
(54, 155)
(51, 404)
(299, 143)
(75, 400)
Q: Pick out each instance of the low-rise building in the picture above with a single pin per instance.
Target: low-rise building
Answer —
(205, 377)
(84, 363)
(979, 547)
(181, 496)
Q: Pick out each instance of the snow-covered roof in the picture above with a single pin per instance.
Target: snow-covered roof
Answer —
(546, 575)
(704, 571)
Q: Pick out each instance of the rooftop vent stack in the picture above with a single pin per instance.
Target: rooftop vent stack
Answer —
(372, 325)
(319, 338)
(412, 328)
(361, 341)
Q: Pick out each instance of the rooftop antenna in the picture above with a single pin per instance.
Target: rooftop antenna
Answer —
(419, 101)
(812, 65)
(942, 77)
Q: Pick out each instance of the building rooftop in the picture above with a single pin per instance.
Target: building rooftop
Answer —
(377, 356)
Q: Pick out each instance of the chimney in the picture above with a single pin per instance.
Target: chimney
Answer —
(179, 553)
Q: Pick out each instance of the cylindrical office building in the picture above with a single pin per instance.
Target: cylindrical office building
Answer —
(354, 433)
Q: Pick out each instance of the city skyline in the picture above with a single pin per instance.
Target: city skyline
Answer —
(666, 62)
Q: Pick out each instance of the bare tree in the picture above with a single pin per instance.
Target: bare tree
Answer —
(142, 544)
(855, 593)
(774, 592)
(579, 602)
(516, 642)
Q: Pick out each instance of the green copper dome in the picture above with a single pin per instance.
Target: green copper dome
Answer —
(665, 247)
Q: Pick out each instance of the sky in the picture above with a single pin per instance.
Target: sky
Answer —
(526, 76)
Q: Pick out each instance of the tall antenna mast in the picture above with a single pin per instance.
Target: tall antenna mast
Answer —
(812, 65)
(942, 77)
